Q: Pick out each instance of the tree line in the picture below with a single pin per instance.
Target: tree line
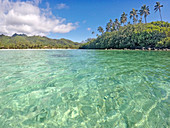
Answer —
(138, 36)
(134, 14)
(120, 34)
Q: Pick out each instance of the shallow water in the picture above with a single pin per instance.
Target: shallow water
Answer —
(84, 88)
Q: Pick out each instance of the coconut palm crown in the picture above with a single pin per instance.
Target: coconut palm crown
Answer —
(123, 18)
(100, 29)
(144, 11)
(158, 6)
(134, 15)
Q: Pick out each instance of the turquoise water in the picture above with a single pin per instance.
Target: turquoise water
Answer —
(84, 89)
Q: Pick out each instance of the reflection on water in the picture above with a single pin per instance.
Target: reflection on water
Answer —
(84, 88)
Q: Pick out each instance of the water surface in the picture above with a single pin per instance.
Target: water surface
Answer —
(84, 88)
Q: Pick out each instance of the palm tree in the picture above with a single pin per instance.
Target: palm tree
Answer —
(113, 27)
(108, 27)
(123, 18)
(158, 6)
(140, 21)
(129, 22)
(144, 11)
(134, 14)
(111, 22)
(100, 29)
(117, 24)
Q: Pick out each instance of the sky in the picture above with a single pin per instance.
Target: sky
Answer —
(70, 19)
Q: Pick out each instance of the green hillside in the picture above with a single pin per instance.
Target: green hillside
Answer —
(21, 41)
(150, 35)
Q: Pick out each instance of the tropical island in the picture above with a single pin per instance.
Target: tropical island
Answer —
(138, 36)
(119, 35)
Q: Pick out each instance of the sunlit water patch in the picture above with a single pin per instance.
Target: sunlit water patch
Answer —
(84, 88)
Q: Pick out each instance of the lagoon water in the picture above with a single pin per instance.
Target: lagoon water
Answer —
(84, 89)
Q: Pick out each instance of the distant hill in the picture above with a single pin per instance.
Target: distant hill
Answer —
(22, 41)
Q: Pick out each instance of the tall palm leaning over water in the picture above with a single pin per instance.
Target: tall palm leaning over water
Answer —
(158, 6)
(144, 11)
(123, 18)
(134, 15)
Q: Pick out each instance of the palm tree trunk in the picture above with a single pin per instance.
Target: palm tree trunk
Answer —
(145, 20)
(160, 14)
(133, 19)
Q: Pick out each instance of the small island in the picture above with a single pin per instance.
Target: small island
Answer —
(123, 35)
(154, 35)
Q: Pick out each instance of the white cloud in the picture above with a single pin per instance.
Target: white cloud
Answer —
(88, 29)
(37, 2)
(28, 18)
(61, 6)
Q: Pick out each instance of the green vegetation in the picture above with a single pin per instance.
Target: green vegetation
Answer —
(21, 41)
(150, 35)
(136, 36)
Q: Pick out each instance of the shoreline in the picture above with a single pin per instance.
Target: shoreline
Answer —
(38, 49)
(93, 49)
(149, 49)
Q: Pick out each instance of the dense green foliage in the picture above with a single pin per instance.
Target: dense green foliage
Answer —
(150, 35)
(23, 42)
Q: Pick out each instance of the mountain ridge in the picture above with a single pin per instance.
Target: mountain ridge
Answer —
(22, 41)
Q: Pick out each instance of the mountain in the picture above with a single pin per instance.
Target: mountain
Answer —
(18, 35)
(22, 41)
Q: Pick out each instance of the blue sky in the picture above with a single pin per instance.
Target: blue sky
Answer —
(87, 15)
